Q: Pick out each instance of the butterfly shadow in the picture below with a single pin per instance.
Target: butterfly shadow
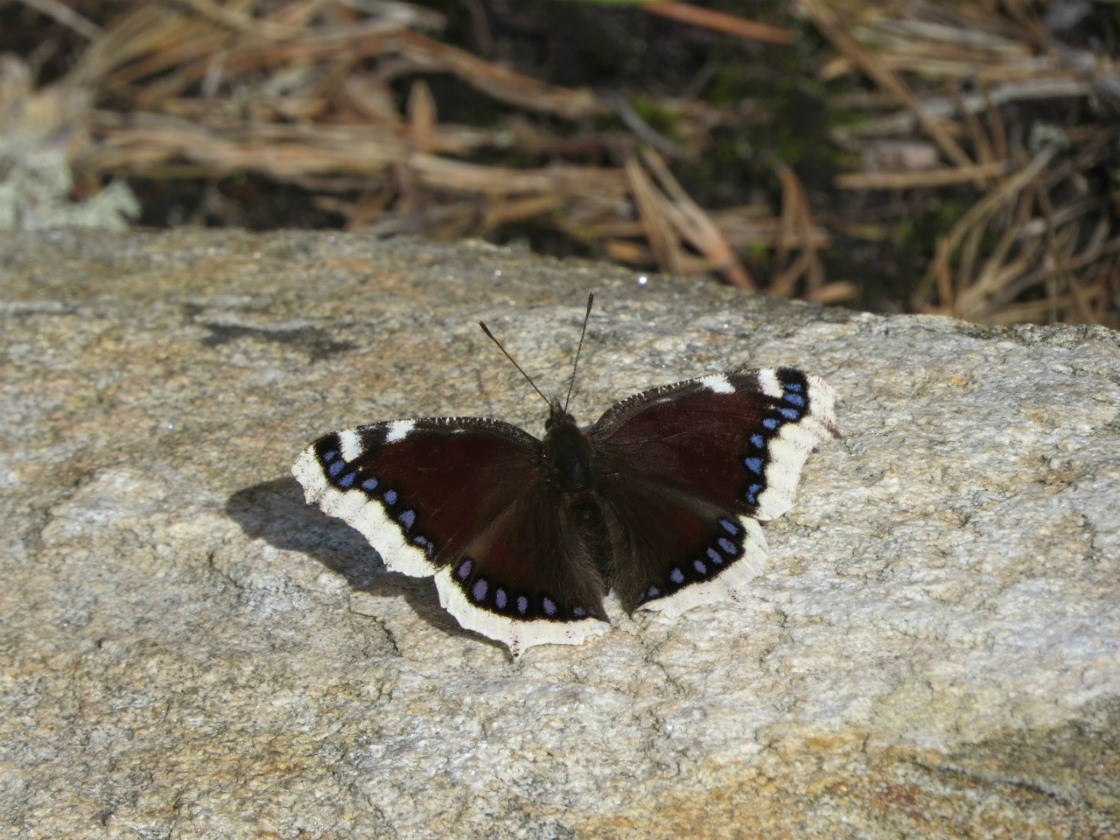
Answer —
(275, 511)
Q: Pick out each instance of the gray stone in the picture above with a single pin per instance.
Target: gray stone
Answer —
(190, 651)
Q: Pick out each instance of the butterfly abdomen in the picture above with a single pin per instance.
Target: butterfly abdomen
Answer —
(569, 459)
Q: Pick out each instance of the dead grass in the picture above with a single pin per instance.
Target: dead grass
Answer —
(955, 101)
(1040, 244)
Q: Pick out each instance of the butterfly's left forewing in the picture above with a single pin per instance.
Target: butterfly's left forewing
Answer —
(687, 470)
(463, 500)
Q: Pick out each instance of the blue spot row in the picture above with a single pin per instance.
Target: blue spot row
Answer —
(711, 561)
(345, 474)
(791, 408)
(494, 597)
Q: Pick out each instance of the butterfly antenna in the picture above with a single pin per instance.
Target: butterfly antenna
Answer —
(520, 369)
(579, 349)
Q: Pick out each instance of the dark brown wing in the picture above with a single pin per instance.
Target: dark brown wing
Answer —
(464, 500)
(685, 472)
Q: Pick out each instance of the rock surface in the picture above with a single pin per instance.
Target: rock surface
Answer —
(190, 651)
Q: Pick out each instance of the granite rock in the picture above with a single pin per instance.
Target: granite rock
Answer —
(190, 651)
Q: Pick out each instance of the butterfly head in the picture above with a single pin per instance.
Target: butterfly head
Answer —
(557, 417)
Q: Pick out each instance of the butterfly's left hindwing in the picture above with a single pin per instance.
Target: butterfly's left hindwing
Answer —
(463, 500)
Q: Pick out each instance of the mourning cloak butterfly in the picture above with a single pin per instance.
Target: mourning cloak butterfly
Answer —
(658, 502)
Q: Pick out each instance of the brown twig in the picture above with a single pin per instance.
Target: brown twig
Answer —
(883, 76)
(66, 16)
(921, 179)
(720, 22)
(693, 224)
(940, 274)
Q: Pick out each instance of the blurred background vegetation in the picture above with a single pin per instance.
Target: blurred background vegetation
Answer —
(960, 158)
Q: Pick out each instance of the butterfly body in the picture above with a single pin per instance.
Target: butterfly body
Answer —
(659, 501)
(567, 452)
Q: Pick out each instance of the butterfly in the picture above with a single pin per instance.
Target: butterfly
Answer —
(659, 502)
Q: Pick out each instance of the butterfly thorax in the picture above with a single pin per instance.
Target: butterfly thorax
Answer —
(567, 451)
